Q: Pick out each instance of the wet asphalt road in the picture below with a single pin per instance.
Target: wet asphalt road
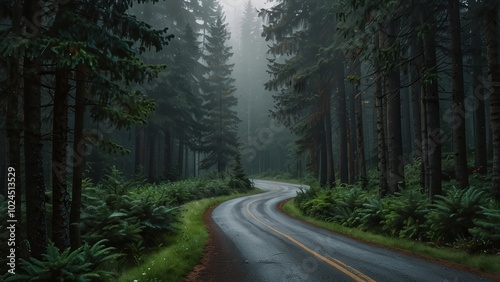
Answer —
(275, 247)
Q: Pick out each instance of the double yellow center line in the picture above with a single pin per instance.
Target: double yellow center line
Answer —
(344, 268)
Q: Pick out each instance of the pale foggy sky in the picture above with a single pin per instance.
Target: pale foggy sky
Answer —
(234, 15)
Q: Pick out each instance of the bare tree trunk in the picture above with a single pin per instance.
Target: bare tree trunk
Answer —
(425, 140)
(342, 120)
(395, 169)
(359, 125)
(328, 142)
(12, 125)
(481, 159)
(406, 129)
(60, 194)
(167, 154)
(140, 148)
(323, 171)
(492, 46)
(381, 146)
(78, 158)
(152, 156)
(431, 111)
(351, 128)
(416, 88)
(458, 120)
(180, 158)
(35, 185)
(350, 153)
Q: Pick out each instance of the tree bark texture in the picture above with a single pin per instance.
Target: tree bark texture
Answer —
(323, 178)
(140, 149)
(167, 154)
(79, 149)
(152, 155)
(360, 140)
(492, 45)
(60, 194)
(13, 125)
(35, 185)
(350, 152)
(458, 120)
(430, 100)
(351, 131)
(481, 158)
(381, 146)
(395, 169)
(342, 120)
(416, 88)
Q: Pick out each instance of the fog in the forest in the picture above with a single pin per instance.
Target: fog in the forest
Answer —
(122, 122)
(266, 144)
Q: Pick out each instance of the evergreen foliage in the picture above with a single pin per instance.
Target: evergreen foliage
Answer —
(463, 218)
(302, 74)
(128, 211)
(488, 226)
(454, 214)
(178, 95)
(113, 211)
(404, 214)
(221, 121)
(81, 265)
(239, 179)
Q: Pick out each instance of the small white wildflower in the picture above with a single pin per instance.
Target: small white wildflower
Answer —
(144, 273)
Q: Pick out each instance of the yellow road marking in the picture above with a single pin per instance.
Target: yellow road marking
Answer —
(355, 271)
(344, 268)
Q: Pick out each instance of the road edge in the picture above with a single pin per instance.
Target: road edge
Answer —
(218, 251)
(450, 264)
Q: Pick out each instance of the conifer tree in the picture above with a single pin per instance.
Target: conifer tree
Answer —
(99, 38)
(180, 110)
(302, 72)
(220, 121)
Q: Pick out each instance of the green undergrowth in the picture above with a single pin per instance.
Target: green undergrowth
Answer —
(482, 262)
(132, 220)
(184, 249)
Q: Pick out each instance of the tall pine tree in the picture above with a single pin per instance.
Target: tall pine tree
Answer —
(221, 122)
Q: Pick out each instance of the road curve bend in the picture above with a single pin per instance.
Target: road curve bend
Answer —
(275, 247)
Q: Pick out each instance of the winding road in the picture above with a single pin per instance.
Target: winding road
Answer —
(275, 247)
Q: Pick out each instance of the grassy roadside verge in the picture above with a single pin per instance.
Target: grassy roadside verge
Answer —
(185, 248)
(487, 265)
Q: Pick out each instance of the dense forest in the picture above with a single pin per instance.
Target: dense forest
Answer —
(116, 113)
(422, 79)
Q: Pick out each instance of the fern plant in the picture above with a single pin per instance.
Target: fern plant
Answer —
(347, 208)
(82, 265)
(115, 182)
(320, 206)
(453, 214)
(153, 218)
(304, 194)
(404, 214)
(488, 227)
(372, 214)
(126, 215)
